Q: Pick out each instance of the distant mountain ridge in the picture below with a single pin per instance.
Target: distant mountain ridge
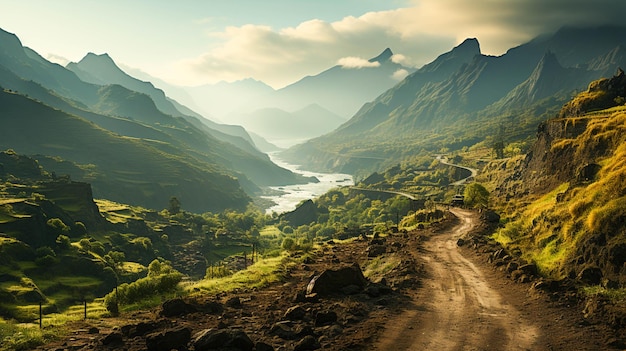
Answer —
(468, 94)
(338, 91)
(136, 115)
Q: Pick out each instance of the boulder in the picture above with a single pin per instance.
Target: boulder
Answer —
(176, 307)
(114, 338)
(295, 313)
(333, 281)
(325, 318)
(283, 331)
(212, 339)
(169, 339)
(309, 342)
(375, 250)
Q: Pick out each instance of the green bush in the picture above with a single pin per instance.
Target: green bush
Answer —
(154, 284)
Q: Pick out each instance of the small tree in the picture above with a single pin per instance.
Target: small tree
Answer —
(476, 195)
(174, 205)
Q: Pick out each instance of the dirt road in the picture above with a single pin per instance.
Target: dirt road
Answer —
(456, 309)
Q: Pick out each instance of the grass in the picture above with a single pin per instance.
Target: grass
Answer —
(25, 336)
(260, 274)
(381, 266)
(615, 295)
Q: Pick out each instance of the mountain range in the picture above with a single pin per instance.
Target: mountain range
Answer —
(254, 104)
(128, 129)
(464, 97)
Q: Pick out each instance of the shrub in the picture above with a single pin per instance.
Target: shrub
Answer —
(140, 289)
(288, 244)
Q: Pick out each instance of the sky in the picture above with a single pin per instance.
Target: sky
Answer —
(196, 42)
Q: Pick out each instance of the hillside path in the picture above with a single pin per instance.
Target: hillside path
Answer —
(456, 309)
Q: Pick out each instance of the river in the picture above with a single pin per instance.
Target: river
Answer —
(292, 195)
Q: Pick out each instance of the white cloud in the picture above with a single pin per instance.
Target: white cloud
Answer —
(356, 62)
(418, 34)
(400, 74)
(57, 59)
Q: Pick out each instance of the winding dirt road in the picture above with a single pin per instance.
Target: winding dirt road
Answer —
(456, 309)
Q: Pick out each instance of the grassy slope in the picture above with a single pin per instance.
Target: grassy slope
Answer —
(141, 173)
(586, 228)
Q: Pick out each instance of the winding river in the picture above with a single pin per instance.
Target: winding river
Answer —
(291, 195)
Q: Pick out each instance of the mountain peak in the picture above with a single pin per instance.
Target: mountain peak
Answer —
(102, 59)
(383, 57)
(548, 65)
(469, 45)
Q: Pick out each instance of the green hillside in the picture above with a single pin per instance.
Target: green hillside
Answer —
(569, 217)
(131, 170)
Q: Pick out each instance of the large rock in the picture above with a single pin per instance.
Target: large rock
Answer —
(170, 339)
(334, 281)
(176, 307)
(215, 339)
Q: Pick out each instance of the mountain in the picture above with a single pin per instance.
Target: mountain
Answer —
(120, 168)
(221, 99)
(131, 114)
(102, 70)
(287, 128)
(548, 78)
(468, 95)
(355, 85)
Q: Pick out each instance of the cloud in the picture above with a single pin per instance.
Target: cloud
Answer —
(356, 62)
(400, 74)
(418, 34)
(57, 59)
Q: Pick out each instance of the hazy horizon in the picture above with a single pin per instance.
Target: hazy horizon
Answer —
(281, 41)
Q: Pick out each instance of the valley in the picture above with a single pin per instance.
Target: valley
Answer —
(477, 202)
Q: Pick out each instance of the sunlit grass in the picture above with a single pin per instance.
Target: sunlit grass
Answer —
(25, 336)
(615, 295)
(381, 266)
(258, 275)
(270, 231)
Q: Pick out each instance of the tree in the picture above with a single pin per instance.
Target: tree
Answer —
(174, 205)
(476, 195)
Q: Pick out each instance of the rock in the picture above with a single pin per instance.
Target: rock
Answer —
(325, 318)
(304, 330)
(590, 275)
(295, 313)
(351, 289)
(300, 296)
(529, 269)
(139, 329)
(176, 307)
(333, 281)
(261, 346)
(375, 250)
(283, 331)
(174, 338)
(233, 302)
(212, 339)
(460, 242)
(309, 342)
(115, 338)
(314, 297)
(212, 307)
(490, 216)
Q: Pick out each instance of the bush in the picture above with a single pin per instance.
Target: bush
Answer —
(141, 289)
